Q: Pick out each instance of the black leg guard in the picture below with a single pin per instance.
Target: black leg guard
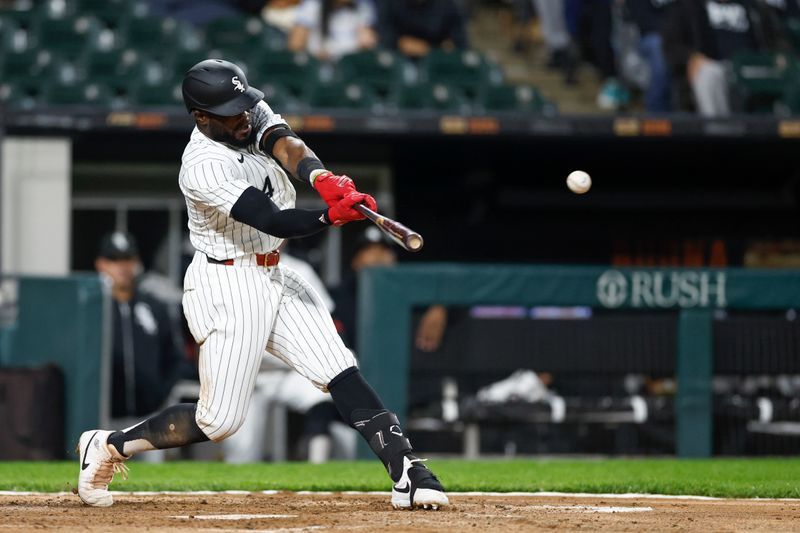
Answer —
(362, 408)
(382, 431)
(174, 426)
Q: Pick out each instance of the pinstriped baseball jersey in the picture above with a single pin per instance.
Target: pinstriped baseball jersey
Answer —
(213, 175)
(238, 313)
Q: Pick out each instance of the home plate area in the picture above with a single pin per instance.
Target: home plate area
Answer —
(287, 511)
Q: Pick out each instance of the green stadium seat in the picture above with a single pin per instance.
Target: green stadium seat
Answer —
(86, 94)
(382, 70)
(22, 18)
(468, 70)
(114, 68)
(159, 36)
(19, 96)
(25, 64)
(430, 96)
(163, 94)
(112, 13)
(351, 95)
(182, 60)
(67, 35)
(297, 71)
(233, 32)
(279, 98)
(518, 98)
(758, 81)
(792, 28)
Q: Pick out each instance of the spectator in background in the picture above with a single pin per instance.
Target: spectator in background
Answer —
(701, 36)
(329, 29)
(147, 358)
(590, 23)
(279, 14)
(414, 27)
(648, 16)
(556, 37)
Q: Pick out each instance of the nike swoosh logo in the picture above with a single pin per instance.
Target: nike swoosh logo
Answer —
(241, 158)
(405, 489)
(84, 464)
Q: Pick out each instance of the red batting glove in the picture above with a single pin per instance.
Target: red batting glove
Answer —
(333, 188)
(342, 212)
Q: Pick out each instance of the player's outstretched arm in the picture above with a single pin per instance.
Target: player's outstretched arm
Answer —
(301, 162)
(256, 209)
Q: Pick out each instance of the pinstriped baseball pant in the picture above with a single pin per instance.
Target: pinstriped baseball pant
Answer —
(236, 313)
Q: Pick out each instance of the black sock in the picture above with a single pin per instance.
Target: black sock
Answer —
(359, 405)
(174, 426)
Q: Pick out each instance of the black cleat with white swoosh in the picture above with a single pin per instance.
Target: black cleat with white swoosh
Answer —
(417, 487)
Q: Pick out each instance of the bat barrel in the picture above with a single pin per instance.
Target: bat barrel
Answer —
(408, 239)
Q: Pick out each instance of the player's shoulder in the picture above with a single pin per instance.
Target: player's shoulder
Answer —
(200, 150)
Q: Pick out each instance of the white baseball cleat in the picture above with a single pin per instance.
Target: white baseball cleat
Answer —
(98, 466)
(418, 487)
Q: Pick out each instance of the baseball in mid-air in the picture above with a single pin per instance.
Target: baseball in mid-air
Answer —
(579, 181)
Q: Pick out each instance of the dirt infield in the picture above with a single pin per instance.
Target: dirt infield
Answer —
(371, 512)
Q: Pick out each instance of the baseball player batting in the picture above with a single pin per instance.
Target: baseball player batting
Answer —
(238, 298)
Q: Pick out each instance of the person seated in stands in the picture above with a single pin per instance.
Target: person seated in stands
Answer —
(648, 16)
(414, 27)
(329, 29)
(701, 36)
(146, 352)
(279, 14)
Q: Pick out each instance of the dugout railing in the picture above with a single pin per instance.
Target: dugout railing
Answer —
(387, 297)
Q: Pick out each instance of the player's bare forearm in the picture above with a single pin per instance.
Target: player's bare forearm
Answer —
(289, 151)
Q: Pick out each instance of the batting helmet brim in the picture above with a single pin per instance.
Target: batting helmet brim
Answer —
(240, 104)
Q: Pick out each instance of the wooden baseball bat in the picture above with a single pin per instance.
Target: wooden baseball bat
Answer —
(408, 239)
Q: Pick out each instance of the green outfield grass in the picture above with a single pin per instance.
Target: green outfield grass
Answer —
(765, 478)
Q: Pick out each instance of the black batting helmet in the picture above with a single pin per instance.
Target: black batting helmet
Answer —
(219, 87)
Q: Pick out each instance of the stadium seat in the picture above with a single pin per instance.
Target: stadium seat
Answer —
(520, 98)
(115, 68)
(758, 81)
(66, 35)
(279, 98)
(22, 95)
(466, 69)
(89, 94)
(382, 70)
(351, 95)
(112, 13)
(22, 18)
(434, 96)
(159, 36)
(297, 71)
(792, 28)
(182, 60)
(164, 94)
(25, 64)
(233, 32)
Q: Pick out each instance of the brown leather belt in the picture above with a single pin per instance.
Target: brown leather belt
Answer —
(266, 260)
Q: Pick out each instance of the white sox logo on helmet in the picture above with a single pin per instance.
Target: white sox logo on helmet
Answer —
(237, 83)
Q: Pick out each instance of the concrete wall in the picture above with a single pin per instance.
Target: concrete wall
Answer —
(35, 205)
